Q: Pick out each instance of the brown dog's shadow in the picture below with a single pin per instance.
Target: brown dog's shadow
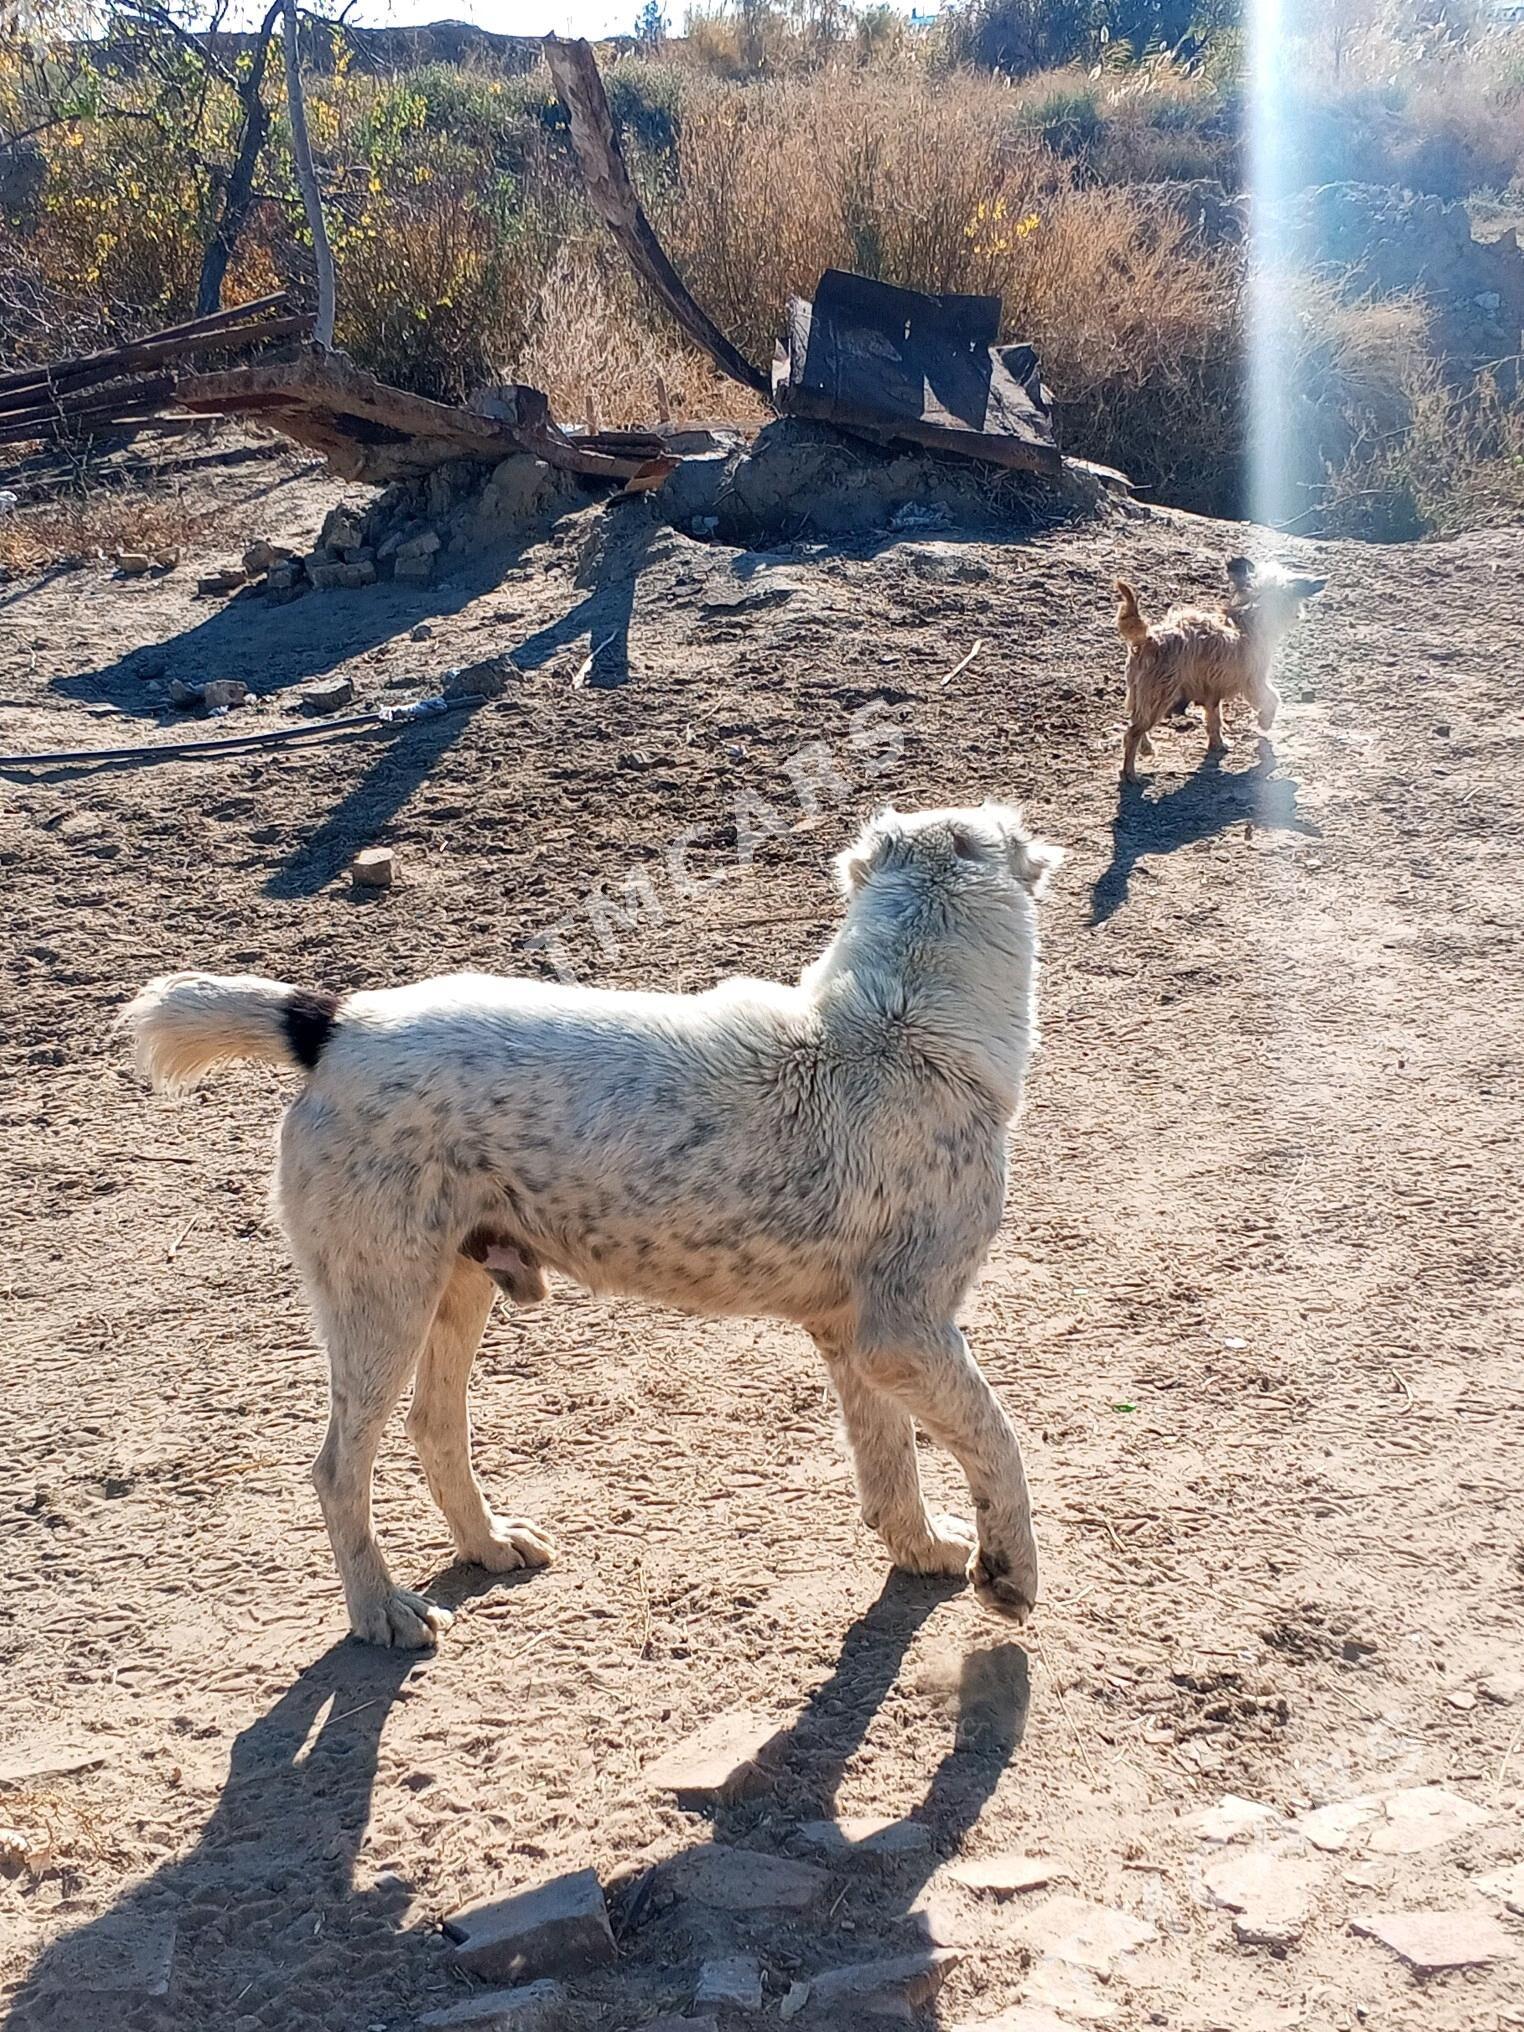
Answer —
(1157, 816)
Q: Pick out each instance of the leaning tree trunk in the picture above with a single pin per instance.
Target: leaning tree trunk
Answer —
(306, 176)
(238, 199)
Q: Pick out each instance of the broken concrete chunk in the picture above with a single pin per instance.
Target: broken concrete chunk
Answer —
(1006, 1873)
(414, 570)
(1230, 1819)
(744, 1880)
(735, 1980)
(263, 557)
(722, 1760)
(340, 531)
(1090, 1936)
(424, 544)
(562, 1925)
(373, 868)
(1430, 1941)
(328, 696)
(356, 572)
(329, 576)
(907, 1980)
(863, 1834)
(420, 632)
(183, 694)
(1271, 1892)
(529, 2007)
(1421, 1817)
(1504, 1687)
(133, 563)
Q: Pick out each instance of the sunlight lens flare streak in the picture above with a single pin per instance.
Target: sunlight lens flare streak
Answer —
(1272, 153)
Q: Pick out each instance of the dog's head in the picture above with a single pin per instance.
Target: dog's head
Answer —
(1270, 591)
(985, 845)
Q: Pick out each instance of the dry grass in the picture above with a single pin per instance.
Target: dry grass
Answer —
(588, 338)
(96, 518)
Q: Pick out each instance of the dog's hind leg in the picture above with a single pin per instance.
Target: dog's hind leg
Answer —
(373, 1328)
(439, 1425)
(1217, 741)
(929, 1371)
(881, 1434)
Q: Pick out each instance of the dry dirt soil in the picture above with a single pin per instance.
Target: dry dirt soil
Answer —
(1254, 1307)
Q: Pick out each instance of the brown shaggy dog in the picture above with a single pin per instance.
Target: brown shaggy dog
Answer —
(1199, 656)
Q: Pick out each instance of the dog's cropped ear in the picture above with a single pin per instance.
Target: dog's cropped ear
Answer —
(1241, 573)
(1034, 863)
(872, 847)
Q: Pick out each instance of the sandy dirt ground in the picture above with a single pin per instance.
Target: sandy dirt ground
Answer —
(1254, 1308)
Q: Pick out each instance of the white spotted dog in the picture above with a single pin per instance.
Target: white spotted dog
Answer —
(831, 1153)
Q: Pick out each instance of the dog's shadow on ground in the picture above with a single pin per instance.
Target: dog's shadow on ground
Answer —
(263, 1922)
(869, 1909)
(242, 1928)
(1212, 800)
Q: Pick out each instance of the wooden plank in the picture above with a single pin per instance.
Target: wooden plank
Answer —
(574, 71)
(372, 431)
(122, 356)
(148, 353)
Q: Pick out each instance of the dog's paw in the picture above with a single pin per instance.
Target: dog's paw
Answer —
(944, 1547)
(512, 1544)
(403, 1622)
(999, 1586)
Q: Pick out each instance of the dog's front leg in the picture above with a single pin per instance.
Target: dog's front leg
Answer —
(930, 1373)
(881, 1434)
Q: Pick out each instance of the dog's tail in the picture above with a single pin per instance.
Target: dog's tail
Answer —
(1131, 625)
(183, 1024)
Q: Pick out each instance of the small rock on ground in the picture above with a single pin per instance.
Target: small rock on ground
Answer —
(1090, 1936)
(219, 693)
(1020, 2018)
(328, 696)
(1421, 1817)
(744, 1880)
(529, 2007)
(911, 1980)
(864, 1834)
(1430, 1941)
(373, 868)
(561, 1925)
(720, 1761)
(1505, 1885)
(732, 1979)
(1230, 1819)
(1270, 1891)
(1006, 1873)
(1330, 1827)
